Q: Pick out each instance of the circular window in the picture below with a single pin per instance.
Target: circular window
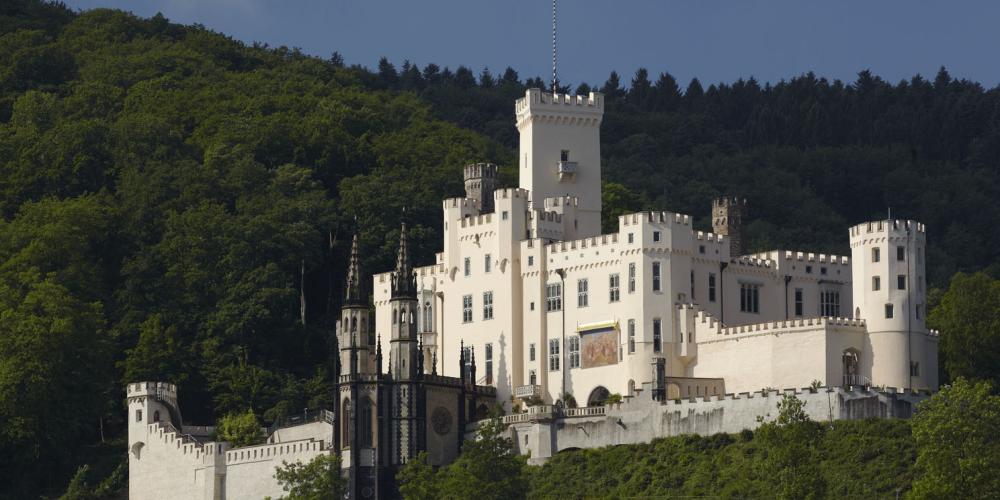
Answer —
(441, 420)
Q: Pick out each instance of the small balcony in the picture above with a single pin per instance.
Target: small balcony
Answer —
(528, 391)
(566, 169)
(857, 381)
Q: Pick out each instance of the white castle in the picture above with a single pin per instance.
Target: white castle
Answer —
(553, 307)
(690, 332)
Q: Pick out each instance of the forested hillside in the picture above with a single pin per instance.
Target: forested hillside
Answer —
(175, 204)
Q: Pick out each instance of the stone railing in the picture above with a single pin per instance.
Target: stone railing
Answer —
(527, 391)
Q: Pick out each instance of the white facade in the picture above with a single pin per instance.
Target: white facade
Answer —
(551, 306)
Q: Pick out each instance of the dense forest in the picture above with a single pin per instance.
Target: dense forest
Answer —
(175, 204)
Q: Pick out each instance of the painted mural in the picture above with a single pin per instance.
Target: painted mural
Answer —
(599, 347)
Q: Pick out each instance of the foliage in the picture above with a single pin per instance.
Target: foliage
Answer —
(959, 452)
(240, 429)
(969, 317)
(613, 398)
(487, 468)
(319, 479)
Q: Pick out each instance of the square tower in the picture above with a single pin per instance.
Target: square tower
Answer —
(560, 152)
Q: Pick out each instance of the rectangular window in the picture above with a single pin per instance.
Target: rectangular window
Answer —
(489, 364)
(466, 308)
(468, 266)
(581, 293)
(656, 236)
(531, 260)
(701, 248)
(553, 354)
(503, 215)
(553, 297)
(656, 276)
(574, 351)
(901, 282)
(876, 283)
(750, 298)
(631, 277)
(531, 352)
(693, 299)
(532, 377)
(876, 254)
(711, 287)
(809, 269)
(900, 253)
(487, 305)
(888, 311)
(657, 335)
(631, 238)
(631, 336)
(488, 264)
(822, 270)
(564, 155)
(798, 302)
(914, 369)
(613, 294)
(829, 303)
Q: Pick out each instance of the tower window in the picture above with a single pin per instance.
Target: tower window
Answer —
(631, 336)
(531, 260)
(657, 335)
(701, 249)
(876, 283)
(914, 368)
(901, 282)
(531, 352)
(488, 305)
(876, 254)
(711, 287)
(581, 293)
(656, 276)
(656, 236)
(631, 277)
(574, 351)
(489, 364)
(809, 269)
(138, 415)
(900, 253)
(564, 155)
(503, 215)
(613, 294)
(798, 302)
(631, 238)
(888, 311)
(468, 266)
(466, 308)
(553, 297)
(553, 354)
(829, 303)
(533, 380)
(488, 263)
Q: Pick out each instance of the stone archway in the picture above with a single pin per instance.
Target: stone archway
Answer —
(598, 396)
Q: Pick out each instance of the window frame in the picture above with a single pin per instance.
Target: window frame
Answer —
(488, 305)
(553, 355)
(467, 308)
(582, 292)
(553, 297)
(614, 287)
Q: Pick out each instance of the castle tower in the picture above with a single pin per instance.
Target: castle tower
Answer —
(560, 152)
(148, 403)
(727, 220)
(354, 337)
(887, 270)
(480, 182)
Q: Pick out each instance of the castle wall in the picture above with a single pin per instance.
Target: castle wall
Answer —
(250, 470)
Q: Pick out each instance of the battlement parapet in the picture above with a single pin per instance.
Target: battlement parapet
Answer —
(709, 324)
(276, 451)
(506, 193)
(536, 99)
(544, 216)
(749, 260)
(477, 220)
(466, 203)
(703, 236)
(480, 171)
(888, 226)
(151, 389)
(592, 242)
(654, 218)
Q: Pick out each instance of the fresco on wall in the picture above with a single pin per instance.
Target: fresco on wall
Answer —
(599, 347)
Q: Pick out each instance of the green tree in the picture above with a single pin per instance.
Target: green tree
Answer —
(418, 480)
(240, 429)
(319, 479)
(487, 468)
(968, 317)
(958, 450)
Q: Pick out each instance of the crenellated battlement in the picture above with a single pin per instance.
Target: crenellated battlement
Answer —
(654, 218)
(467, 203)
(136, 389)
(544, 216)
(888, 226)
(703, 236)
(561, 201)
(476, 220)
(537, 99)
(592, 242)
(480, 171)
(506, 193)
(278, 451)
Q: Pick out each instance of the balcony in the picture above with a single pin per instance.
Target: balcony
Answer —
(528, 391)
(566, 170)
(857, 381)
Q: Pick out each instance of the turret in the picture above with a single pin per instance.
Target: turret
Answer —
(480, 182)
(404, 309)
(560, 152)
(354, 337)
(727, 220)
(887, 266)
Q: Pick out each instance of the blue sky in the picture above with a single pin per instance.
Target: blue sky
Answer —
(713, 40)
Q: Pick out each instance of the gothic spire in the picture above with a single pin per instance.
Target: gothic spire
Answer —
(352, 288)
(404, 283)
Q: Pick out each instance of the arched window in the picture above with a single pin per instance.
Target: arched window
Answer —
(345, 425)
(354, 324)
(598, 396)
(850, 362)
(428, 318)
(365, 427)
(156, 416)
(394, 316)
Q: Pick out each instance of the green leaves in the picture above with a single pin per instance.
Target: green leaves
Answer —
(319, 479)
(968, 316)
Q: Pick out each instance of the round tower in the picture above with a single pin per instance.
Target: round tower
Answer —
(887, 271)
(480, 182)
(149, 403)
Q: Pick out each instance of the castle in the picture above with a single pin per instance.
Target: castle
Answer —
(650, 330)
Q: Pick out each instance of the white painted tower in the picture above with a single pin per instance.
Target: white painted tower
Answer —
(888, 289)
(560, 152)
